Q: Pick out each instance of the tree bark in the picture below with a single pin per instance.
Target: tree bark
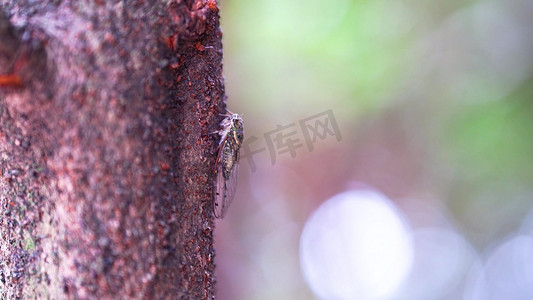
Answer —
(106, 151)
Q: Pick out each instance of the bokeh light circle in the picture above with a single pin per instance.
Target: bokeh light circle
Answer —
(356, 246)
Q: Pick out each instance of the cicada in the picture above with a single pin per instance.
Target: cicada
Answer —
(227, 163)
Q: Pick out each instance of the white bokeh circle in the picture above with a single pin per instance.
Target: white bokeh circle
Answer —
(356, 246)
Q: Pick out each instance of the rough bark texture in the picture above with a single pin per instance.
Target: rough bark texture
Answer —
(106, 110)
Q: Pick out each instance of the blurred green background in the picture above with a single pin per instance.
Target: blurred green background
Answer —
(433, 100)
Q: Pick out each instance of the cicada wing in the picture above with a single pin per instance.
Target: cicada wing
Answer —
(230, 189)
(224, 190)
(219, 188)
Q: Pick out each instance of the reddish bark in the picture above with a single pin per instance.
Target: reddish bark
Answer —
(106, 151)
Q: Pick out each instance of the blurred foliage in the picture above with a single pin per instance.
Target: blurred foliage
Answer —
(453, 77)
(493, 141)
(464, 64)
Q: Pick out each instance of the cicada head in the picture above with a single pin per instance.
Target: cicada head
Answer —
(237, 129)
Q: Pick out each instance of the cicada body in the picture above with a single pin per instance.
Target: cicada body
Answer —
(227, 163)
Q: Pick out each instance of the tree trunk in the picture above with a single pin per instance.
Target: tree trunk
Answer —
(106, 151)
